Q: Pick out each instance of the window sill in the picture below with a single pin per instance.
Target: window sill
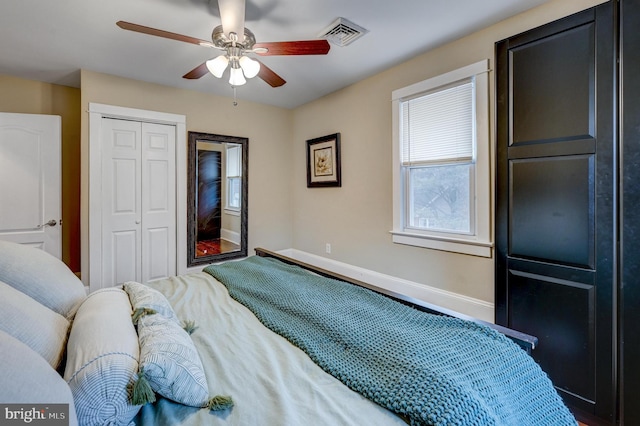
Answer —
(471, 247)
(232, 212)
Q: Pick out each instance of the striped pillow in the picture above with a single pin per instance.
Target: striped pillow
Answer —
(170, 361)
(144, 297)
(102, 359)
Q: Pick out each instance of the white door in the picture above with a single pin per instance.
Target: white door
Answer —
(138, 201)
(30, 180)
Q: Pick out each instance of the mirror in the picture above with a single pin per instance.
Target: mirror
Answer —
(216, 198)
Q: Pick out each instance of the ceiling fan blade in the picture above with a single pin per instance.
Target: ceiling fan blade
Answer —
(160, 33)
(197, 72)
(232, 17)
(305, 47)
(269, 76)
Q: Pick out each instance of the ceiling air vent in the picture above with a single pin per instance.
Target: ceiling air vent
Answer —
(343, 32)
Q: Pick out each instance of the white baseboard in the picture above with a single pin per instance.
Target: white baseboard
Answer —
(228, 235)
(466, 305)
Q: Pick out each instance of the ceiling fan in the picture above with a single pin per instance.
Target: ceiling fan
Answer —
(236, 41)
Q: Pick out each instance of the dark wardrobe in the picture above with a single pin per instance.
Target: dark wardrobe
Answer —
(567, 220)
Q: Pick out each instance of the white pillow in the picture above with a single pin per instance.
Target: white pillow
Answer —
(38, 327)
(145, 297)
(102, 359)
(171, 362)
(26, 378)
(42, 276)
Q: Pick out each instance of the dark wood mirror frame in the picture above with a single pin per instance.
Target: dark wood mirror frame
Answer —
(196, 257)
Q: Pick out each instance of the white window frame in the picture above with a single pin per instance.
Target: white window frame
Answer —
(229, 208)
(479, 242)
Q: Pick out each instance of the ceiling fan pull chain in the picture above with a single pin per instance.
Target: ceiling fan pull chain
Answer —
(235, 101)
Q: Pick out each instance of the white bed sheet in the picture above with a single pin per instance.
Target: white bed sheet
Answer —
(271, 381)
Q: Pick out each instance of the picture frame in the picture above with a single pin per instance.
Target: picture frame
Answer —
(323, 162)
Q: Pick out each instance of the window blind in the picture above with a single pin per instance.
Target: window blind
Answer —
(233, 161)
(439, 126)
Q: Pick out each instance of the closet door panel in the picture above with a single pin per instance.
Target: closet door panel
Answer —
(138, 201)
(158, 248)
(121, 201)
(158, 201)
(123, 265)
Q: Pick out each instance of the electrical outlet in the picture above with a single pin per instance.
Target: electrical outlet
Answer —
(328, 248)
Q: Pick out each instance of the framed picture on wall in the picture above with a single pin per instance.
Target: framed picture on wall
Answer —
(323, 161)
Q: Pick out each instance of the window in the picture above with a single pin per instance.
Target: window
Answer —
(441, 162)
(234, 177)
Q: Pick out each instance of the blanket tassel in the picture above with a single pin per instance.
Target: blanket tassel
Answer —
(141, 392)
(140, 312)
(220, 402)
(190, 326)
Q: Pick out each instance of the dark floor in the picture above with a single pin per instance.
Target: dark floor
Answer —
(217, 246)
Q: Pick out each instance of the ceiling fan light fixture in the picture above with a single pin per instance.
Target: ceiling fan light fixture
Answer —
(236, 78)
(249, 66)
(217, 65)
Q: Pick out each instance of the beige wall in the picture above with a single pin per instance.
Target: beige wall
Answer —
(283, 212)
(33, 97)
(268, 129)
(356, 219)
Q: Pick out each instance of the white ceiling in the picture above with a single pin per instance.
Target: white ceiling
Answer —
(51, 40)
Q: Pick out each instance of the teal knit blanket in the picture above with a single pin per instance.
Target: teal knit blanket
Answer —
(433, 370)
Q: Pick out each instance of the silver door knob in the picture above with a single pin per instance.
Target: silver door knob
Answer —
(52, 222)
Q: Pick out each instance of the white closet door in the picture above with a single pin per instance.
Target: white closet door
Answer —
(158, 201)
(138, 201)
(121, 201)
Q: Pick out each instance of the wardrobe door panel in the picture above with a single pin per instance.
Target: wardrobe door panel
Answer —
(539, 304)
(552, 215)
(555, 209)
(630, 215)
(552, 82)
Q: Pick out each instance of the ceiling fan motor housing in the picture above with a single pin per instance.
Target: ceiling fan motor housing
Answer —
(221, 40)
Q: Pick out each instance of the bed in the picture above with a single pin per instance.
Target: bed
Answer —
(219, 348)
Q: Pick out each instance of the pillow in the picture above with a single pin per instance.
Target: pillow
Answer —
(42, 276)
(145, 299)
(26, 378)
(102, 359)
(170, 361)
(39, 328)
